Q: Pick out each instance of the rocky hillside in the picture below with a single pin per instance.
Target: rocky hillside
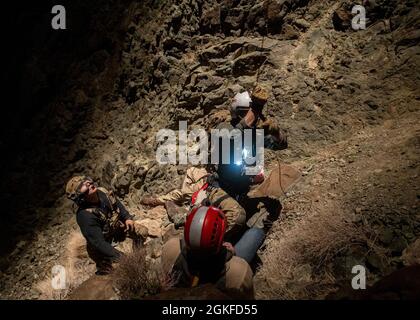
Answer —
(92, 98)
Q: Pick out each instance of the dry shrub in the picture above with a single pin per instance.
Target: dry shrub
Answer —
(136, 276)
(131, 275)
(77, 265)
(297, 264)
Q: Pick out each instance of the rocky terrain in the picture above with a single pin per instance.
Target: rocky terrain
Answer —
(92, 99)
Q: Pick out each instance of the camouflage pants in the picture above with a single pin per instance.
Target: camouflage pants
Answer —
(236, 278)
(193, 181)
(103, 263)
(245, 212)
(257, 212)
(234, 212)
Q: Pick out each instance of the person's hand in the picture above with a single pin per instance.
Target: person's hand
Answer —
(229, 247)
(129, 225)
(259, 97)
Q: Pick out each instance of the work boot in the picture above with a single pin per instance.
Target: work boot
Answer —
(103, 268)
(151, 201)
(176, 214)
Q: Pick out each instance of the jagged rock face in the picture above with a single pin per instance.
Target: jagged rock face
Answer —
(53, 81)
(97, 95)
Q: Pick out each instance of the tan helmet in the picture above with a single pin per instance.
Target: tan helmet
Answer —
(73, 186)
(259, 95)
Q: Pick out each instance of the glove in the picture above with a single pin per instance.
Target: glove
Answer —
(259, 97)
(274, 137)
(270, 126)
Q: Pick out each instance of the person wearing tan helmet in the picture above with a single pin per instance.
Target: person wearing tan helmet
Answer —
(103, 221)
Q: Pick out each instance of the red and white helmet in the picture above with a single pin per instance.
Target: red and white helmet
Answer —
(204, 229)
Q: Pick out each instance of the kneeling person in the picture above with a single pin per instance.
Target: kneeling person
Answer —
(103, 220)
(201, 256)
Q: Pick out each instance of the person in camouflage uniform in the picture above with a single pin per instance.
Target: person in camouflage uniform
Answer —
(225, 186)
(103, 221)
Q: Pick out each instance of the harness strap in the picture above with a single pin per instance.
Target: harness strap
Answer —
(219, 200)
(195, 194)
(111, 218)
(182, 258)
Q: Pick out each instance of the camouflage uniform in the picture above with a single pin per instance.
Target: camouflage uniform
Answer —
(258, 213)
(194, 179)
(229, 188)
(230, 274)
(107, 216)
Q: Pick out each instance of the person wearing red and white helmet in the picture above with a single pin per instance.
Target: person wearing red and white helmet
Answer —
(226, 186)
(202, 256)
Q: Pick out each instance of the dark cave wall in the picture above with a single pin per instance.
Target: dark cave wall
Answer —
(57, 81)
(48, 78)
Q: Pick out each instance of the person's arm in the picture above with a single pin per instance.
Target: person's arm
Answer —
(92, 231)
(124, 214)
(248, 121)
(274, 137)
(125, 217)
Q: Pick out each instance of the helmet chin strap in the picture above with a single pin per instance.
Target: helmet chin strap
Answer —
(80, 199)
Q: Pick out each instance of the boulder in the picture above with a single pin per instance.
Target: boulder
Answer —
(153, 227)
(411, 255)
(122, 184)
(248, 64)
(205, 82)
(233, 19)
(95, 288)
